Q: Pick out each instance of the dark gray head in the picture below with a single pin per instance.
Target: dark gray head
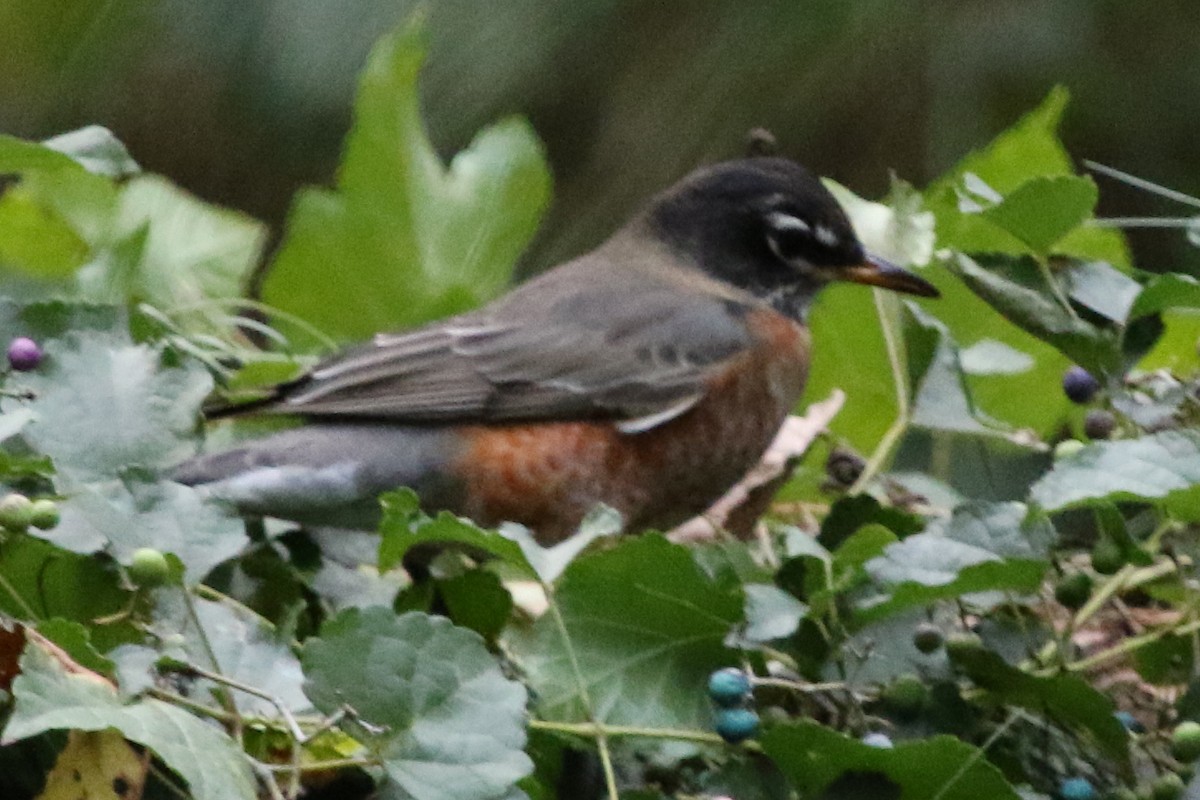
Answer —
(769, 226)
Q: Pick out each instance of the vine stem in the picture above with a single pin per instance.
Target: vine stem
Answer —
(593, 730)
(886, 308)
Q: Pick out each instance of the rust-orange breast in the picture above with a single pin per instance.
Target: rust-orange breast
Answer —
(547, 475)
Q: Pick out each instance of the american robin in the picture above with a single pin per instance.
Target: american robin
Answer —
(649, 374)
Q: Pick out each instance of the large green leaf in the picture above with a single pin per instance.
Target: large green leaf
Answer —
(48, 697)
(1066, 698)
(403, 239)
(1043, 210)
(641, 627)
(983, 548)
(453, 724)
(814, 758)
(1162, 466)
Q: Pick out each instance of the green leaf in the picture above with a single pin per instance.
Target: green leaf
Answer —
(1066, 698)
(49, 698)
(122, 516)
(993, 357)
(643, 608)
(985, 547)
(408, 239)
(1163, 292)
(405, 527)
(1162, 467)
(1043, 210)
(103, 405)
(454, 725)
(549, 562)
(36, 240)
(18, 156)
(771, 613)
(96, 149)
(814, 758)
(1039, 314)
(175, 252)
(477, 600)
(76, 640)
(1101, 288)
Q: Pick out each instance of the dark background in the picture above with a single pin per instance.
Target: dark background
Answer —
(243, 101)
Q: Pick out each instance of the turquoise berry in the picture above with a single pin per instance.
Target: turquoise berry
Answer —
(736, 724)
(728, 687)
(1077, 789)
(1129, 722)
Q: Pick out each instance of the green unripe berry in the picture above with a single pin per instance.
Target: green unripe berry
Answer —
(928, 637)
(905, 695)
(16, 512)
(1167, 786)
(736, 724)
(962, 643)
(1107, 556)
(728, 687)
(43, 514)
(148, 568)
(1185, 741)
(1074, 590)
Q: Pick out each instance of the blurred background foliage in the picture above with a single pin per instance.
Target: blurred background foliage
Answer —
(243, 102)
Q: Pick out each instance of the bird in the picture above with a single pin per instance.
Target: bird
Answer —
(649, 374)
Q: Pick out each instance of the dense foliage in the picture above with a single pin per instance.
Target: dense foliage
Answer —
(929, 637)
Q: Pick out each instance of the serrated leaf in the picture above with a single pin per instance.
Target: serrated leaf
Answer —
(1163, 467)
(1043, 210)
(814, 758)
(454, 724)
(405, 527)
(549, 562)
(1066, 698)
(103, 405)
(643, 608)
(47, 697)
(1039, 314)
(424, 240)
(985, 547)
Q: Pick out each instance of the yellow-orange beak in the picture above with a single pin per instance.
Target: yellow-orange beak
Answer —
(875, 271)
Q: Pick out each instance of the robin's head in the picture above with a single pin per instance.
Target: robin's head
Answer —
(768, 225)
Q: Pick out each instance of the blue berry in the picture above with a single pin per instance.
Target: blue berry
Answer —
(880, 740)
(1077, 789)
(736, 724)
(728, 687)
(1079, 385)
(1129, 722)
(24, 354)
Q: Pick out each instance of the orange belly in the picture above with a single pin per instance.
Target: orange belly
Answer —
(548, 475)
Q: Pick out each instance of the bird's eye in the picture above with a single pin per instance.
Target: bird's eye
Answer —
(792, 238)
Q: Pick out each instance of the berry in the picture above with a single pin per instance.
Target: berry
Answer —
(728, 687)
(16, 512)
(905, 695)
(1074, 590)
(1167, 786)
(1067, 448)
(43, 514)
(1185, 741)
(1099, 424)
(844, 466)
(927, 637)
(1129, 722)
(1077, 789)
(148, 568)
(962, 643)
(736, 724)
(24, 354)
(1107, 556)
(880, 740)
(1079, 385)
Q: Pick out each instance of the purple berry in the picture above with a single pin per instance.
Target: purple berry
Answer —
(24, 354)
(1079, 385)
(1099, 424)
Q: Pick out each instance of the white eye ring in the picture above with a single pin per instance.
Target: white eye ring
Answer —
(786, 223)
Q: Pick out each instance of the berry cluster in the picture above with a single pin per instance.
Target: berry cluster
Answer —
(731, 691)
